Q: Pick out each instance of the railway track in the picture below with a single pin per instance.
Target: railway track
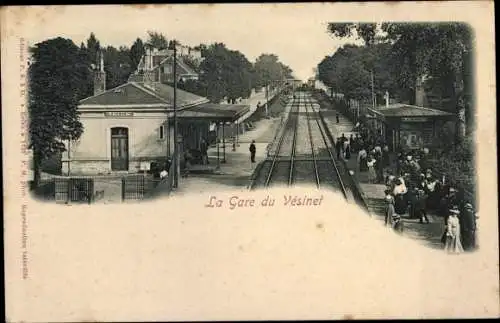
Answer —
(303, 153)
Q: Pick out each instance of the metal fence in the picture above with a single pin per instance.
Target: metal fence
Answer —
(89, 189)
(137, 187)
(74, 190)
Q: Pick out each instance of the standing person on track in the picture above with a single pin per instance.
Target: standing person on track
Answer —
(252, 151)
(337, 117)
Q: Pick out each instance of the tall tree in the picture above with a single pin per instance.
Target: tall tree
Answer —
(364, 31)
(117, 65)
(57, 80)
(442, 51)
(269, 69)
(157, 40)
(136, 53)
(225, 73)
(93, 46)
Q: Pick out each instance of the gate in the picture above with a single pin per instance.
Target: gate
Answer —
(136, 187)
(74, 189)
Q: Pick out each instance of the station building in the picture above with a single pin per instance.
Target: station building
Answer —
(409, 126)
(128, 127)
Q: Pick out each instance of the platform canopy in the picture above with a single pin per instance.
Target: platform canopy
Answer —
(405, 111)
(214, 112)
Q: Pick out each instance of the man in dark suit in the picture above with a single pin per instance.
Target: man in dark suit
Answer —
(468, 227)
(252, 151)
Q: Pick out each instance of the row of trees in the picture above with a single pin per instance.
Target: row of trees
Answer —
(224, 73)
(399, 56)
(61, 74)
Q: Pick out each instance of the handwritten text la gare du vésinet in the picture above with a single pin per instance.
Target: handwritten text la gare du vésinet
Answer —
(288, 200)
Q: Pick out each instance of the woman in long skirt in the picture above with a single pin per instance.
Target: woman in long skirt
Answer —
(362, 160)
(372, 175)
(453, 243)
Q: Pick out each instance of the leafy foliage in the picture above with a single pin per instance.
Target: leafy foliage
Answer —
(57, 80)
(136, 52)
(225, 72)
(157, 40)
(437, 54)
(442, 52)
(268, 68)
(118, 66)
(457, 163)
(93, 46)
(348, 71)
(365, 31)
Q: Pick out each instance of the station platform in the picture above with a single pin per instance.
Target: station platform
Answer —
(429, 234)
(234, 174)
(253, 101)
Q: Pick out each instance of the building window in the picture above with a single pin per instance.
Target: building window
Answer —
(161, 132)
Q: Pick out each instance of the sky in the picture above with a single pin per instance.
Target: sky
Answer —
(294, 32)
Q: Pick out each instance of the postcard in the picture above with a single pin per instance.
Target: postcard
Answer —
(250, 161)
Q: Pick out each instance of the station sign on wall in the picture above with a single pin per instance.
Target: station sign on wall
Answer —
(118, 114)
(415, 119)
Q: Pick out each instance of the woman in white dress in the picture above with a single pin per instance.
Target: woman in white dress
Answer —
(371, 169)
(453, 244)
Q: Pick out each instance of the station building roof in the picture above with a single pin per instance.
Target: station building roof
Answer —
(139, 95)
(136, 96)
(406, 110)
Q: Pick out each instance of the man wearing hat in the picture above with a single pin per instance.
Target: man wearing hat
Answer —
(447, 202)
(432, 190)
(421, 206)
(468, 227)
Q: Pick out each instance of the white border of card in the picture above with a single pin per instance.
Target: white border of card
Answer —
(176, 259)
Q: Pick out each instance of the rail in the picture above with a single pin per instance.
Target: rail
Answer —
(357, 192)
(294, 144)
(332, 159)
(276, 154)
(283, 123)
(312, 144)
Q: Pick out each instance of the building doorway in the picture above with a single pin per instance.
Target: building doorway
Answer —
(119, 149)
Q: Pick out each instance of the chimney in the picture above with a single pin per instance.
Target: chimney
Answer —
(99, 75)
(148, 76)
(102, 62)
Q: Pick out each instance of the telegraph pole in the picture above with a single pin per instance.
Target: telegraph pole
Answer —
(176, 136)
(373, 91)
(267, 96)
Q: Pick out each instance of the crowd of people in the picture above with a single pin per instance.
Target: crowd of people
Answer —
(412, 188)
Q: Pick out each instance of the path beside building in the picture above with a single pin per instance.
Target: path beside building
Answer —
(235, 174)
